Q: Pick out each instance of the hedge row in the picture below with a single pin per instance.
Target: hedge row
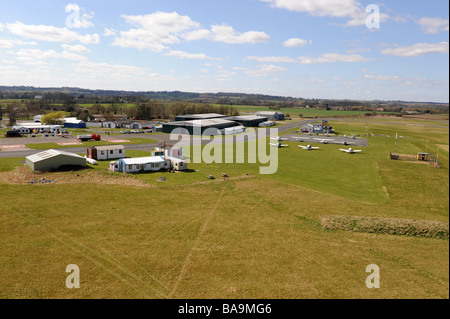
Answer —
(390, 226)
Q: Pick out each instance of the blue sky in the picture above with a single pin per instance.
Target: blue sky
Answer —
(298, 48)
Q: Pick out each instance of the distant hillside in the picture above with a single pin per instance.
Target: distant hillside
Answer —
(80, 95)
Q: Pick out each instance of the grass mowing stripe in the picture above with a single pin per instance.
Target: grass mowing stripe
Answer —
(92, 259)
(197, 240)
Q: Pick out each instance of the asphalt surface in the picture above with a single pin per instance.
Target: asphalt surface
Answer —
(160, 138)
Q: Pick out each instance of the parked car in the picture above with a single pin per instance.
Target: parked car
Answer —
(13, 134)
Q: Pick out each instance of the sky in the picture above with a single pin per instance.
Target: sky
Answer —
(323, 49)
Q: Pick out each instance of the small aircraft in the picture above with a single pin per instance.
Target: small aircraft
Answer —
(352, 136)
(278, 139)
(279, 145)
(346, 143)
(308, 147)
(300, 139)
(324, 141)
(351, 151)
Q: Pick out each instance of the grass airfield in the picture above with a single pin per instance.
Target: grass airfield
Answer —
(249, 237)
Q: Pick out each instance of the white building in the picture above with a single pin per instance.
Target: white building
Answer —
(234, 130)
(104, 153)
(271, 116)
(267, 124)
(140, 164)
(109, 124)
(29, 128)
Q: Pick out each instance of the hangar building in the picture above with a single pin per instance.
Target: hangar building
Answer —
(248, 120)
(53, 160)
(217, 124)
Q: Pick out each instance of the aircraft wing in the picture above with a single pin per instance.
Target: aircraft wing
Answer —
(347, 151)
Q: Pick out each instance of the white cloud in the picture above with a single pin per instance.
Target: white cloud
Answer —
(103, 70)
(159, 30)
(35, 56)
(418, 49)
(226, 34)
(11, 43)
(379, 77)
(185, 55)
(359, 50)
(433, 25)
(75, 48)
(198, 35)
(75, 19)
(271, 59)
(331, 8)
(296, 42)
(263, 70)
(50, 33)
(324, 58)
(406, 81)
(328, 8)
(361, 19)
(154, 31)
(332, 58)
(109, 32)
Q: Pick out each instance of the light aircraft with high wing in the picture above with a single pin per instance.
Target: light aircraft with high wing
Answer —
(309, 147)
(278, 139)
(351, 151)
(324, 140)
(346, 143)
(279, 145)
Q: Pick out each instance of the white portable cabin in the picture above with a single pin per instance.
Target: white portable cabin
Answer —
(140, 164)
(178, 164)
(104, 153)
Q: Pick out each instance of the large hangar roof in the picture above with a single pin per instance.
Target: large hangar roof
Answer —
(202, 123)
(48, 154)
(201, 116)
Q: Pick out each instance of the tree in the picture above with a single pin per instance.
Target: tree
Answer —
(52, 118)
(13, 110)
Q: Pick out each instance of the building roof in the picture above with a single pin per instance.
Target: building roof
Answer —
(268, 113)
(73, 120)
(143, 160)
(49, 154)
(35, 125)
(245, 118)
(109, 147)
(203, 123)
(202, 116)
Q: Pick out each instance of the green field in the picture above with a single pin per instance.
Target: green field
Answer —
(252, 237)
(295, 112)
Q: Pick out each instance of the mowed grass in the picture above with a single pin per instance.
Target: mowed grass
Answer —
(295, 112)
(257, 237)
